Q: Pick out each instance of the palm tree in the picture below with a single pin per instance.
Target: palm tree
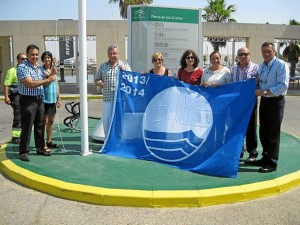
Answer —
(281, 45)
(204, 59)
(217, 11)
(226, 60)
(292, 54)
(123, 4)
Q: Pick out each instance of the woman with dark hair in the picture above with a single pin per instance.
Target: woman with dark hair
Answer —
(190, 72)
(216, 74)
(51, 96)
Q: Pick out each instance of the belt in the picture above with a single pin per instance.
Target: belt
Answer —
(33, 96)
(273, 97)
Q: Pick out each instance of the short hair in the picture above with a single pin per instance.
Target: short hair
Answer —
(111, 47)
(18, 56)
(185, 54)
(156, 55)
(266, 44)
(215, 52)
(32, 46)
(47, 53)
(243, 48)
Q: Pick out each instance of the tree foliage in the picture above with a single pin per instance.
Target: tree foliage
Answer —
(292, 54)
(218, 11)
(123, 4)
(294, 22)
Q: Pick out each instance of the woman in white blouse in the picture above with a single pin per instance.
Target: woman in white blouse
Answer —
(216, 74)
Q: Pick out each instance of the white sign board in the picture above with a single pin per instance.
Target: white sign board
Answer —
(168, 30)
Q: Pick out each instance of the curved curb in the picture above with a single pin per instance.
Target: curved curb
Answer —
(142, 198)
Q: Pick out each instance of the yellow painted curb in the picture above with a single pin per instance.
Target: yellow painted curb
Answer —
(142, 198)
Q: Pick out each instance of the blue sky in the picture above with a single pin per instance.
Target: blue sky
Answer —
(254, 11)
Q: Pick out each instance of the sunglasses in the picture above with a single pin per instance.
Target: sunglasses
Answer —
(244, 54)
(23, 58)
(157, 60)
(189, 57)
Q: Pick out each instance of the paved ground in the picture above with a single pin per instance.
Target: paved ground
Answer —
(19, 205)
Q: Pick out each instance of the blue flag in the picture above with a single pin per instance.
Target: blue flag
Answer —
(162, 119)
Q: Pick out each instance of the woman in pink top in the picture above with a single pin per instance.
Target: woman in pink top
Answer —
(190, 72)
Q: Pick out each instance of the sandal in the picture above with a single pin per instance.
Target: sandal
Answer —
(45, 151)
(51, 144)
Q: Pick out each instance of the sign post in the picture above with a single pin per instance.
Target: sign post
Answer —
(168, 30)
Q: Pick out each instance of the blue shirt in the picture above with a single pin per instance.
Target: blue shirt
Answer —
(26, 70)
(274, 76)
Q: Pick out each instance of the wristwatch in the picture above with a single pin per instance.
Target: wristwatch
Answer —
(265, 92)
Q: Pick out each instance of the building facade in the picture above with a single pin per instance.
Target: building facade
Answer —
(16, 35)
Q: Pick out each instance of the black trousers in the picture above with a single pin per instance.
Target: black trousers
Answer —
(251, 136)
(14, 98)
(270, 116)
(32, 114)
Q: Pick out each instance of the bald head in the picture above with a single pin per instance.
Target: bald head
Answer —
(243, 50)
(244, 56)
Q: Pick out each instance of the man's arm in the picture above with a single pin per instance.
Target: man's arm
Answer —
(6, 97)
(98, 78)
(36, 83)
(7, 83)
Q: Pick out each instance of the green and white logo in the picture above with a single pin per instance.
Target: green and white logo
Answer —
(165, 15)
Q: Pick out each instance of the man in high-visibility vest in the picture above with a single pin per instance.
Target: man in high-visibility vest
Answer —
(11, 95)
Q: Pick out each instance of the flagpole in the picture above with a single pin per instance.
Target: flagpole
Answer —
(83, 77)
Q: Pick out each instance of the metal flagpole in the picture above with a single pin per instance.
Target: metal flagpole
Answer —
(83, 78)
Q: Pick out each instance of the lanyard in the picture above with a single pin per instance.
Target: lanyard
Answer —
(260, 80)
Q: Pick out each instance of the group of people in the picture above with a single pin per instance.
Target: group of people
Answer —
(33, 93)
(272, 77)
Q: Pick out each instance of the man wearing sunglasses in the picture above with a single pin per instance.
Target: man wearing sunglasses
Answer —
(242, 71)
(11, 97)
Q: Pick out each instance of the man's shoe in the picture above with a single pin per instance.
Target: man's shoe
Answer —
(255, 162)
(24, 157)
(15, 140)
(51, 144)
(252, 157)
(268, 168)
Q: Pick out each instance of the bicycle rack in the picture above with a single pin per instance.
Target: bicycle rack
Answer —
(73, 120)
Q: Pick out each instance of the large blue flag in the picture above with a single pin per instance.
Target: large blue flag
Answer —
(193, 128)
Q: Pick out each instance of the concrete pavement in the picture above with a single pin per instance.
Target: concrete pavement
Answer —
(19, 205)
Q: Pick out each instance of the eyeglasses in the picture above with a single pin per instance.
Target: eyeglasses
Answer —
(244, 54)
(189, 57)
(23, 58)
(157, 60)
